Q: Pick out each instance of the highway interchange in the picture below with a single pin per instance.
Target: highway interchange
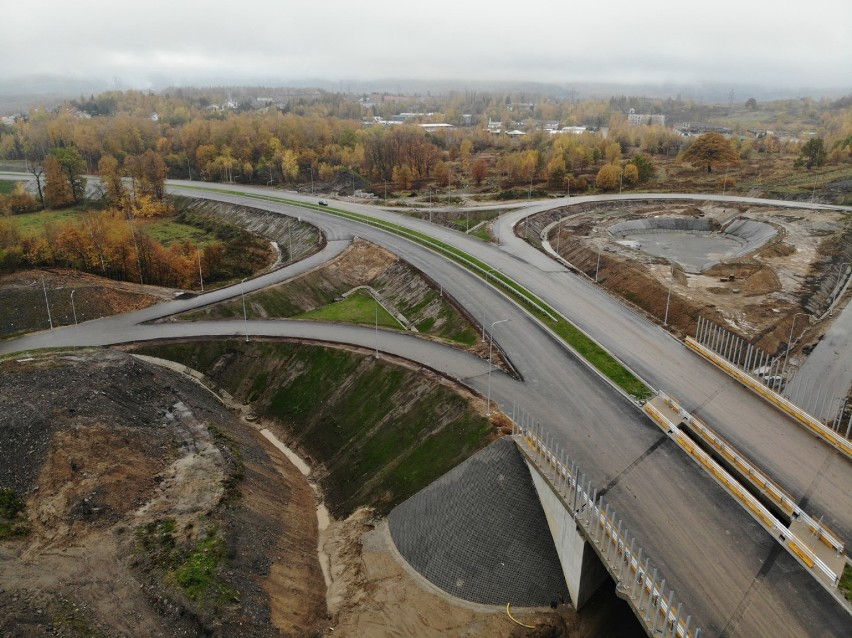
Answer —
(731, 575)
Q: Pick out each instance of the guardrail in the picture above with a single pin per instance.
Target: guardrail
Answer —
(644, 590)
(757, 509)
(822, 431)
(756, 477)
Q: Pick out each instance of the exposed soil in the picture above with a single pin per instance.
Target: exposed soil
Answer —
(22, 298)
(753, 295)
(103, 447)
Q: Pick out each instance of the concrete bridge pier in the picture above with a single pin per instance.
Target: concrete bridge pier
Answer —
(584, 572)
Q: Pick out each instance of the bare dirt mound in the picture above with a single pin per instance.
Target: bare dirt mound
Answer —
(23, 307)
(150, 510)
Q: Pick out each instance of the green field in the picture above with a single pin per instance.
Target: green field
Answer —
(6, 186)
(169, 232)
(360, 308)
(31, 224)
(164, 231)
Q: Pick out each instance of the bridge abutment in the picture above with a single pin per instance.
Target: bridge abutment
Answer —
(583, 570)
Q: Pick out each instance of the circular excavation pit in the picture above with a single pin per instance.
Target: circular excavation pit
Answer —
(694, 244)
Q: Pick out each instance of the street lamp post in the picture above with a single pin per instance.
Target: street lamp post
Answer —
(376, 299)
(200, 276)
(47, 303)
(487, 272)
(245, 316)
(669, 298)
(73, 310)
(490, 365)
(598, 267)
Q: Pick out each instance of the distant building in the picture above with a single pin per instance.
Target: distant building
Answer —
(404, 117)
(694, 128)
(638, 119)
(572, 130)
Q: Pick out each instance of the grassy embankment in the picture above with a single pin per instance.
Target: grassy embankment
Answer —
(359, 308)
(845, 585)
(573, 336)
(317, 295)
(375, 432)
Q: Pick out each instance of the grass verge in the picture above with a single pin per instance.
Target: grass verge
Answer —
(845, 585)
(359, 308)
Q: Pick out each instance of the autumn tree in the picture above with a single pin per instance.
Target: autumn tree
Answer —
(149, 175)
(113, 187)
(608, 177)
(57, 192)
(479, 171)
(631, 174)
(556, 171)
(18, 201)
(711, 149)
(71, 167)
(441, 173)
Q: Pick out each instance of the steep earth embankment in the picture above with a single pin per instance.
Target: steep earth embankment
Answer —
(150, 510)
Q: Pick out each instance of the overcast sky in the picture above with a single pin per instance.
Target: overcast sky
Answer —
(146, 43)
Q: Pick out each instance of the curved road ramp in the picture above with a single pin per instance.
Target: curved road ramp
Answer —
(479, 532)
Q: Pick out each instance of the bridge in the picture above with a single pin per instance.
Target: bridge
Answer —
(733, 578)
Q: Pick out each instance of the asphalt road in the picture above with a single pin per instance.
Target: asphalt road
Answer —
(827, 371)
(727, 570)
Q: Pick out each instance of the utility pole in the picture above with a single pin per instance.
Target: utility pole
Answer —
(73, 310)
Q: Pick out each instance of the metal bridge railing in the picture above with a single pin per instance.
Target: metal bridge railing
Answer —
(638, 581)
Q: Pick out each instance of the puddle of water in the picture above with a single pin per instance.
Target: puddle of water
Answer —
(323, 517)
